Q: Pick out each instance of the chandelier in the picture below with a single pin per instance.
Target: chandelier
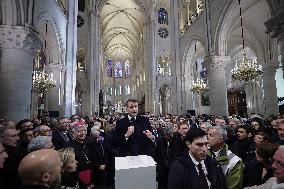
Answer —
(43, 81)
(198, 86)
(247, 70)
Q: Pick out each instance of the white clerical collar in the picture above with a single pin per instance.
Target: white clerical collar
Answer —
(129, 117)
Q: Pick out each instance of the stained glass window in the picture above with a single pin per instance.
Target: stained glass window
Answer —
(109, 68)
(127, 69)
(163, 16)
(118, 69)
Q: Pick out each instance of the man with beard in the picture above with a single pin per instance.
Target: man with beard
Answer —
(194, 169)
(40, 169)
(133, 133)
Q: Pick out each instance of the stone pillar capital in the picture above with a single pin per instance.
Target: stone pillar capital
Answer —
(18, 37)
(214, 63)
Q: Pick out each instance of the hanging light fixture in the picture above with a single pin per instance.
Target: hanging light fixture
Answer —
(198, 86)
(247, 70)
(42, 81)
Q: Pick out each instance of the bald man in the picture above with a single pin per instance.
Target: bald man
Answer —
(40, 169)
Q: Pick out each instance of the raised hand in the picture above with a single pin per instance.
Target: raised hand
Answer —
(129, 132)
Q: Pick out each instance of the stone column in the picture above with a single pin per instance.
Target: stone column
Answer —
(93, 64)
(269, 88)
(150, 67)
(17, 49)
(275, 26)
(216, 67)
(177, 103)
(71, 51)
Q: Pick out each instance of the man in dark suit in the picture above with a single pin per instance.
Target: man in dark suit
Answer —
(60, 136)
(133, 134)
(195, 169)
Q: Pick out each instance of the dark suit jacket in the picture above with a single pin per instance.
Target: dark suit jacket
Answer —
(137, 143)
(183, 174)
(58, 141)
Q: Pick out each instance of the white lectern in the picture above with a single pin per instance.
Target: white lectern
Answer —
(135, 172)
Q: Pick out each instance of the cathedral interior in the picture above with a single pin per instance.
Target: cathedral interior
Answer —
(175, 57)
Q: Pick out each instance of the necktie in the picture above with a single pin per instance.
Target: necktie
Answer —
(155, 132)
(203, 180)
(65, 137)
(132, 120)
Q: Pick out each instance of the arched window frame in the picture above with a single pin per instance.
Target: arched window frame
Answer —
(163, 16)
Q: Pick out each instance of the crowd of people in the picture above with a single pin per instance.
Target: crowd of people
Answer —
(201, 152)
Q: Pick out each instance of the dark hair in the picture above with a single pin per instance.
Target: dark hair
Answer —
(248, 129)
(24, 131)
(194, 133)
(259, 121)
(264, 134)
(20, 123)
(130, 100)
(180, 123)
(266, 152)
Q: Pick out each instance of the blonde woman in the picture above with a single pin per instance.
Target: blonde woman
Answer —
(69, 175)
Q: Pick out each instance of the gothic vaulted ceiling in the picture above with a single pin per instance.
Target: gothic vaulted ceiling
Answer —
(122, 27)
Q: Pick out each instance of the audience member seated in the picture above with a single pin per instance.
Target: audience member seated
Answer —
(69, 175)
(40, 169)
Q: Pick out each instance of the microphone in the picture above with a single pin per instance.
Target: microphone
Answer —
(132, 123)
